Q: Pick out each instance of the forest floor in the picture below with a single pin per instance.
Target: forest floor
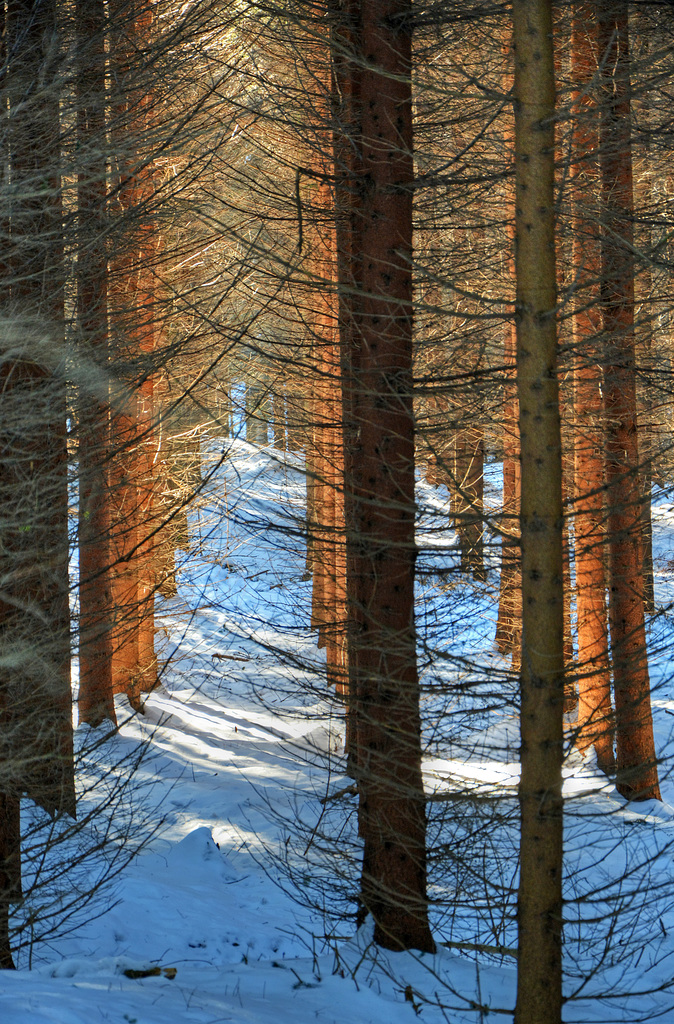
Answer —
(240, 898)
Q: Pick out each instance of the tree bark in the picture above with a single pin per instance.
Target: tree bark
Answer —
(133, 426)
(329, 578)
(36, 747)
(637, 774)
(373, 60)
(539, 907)
(34, 611)
(509, 621)
(595, 713)
(95, 586)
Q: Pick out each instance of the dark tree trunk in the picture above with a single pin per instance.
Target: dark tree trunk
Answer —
(34, 620)
(36, 755)
(95, 590)
(375, 249)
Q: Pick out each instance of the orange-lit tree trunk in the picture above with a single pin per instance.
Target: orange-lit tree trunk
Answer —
(327, 460)
(595, 715)
(329, 608)
(133, 434)
(311, 470)
(95, 637)
(320, 509)
(637, 775)
(375, 169)
(332, 454)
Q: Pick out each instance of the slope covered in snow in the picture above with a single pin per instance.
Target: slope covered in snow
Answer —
(239, 906)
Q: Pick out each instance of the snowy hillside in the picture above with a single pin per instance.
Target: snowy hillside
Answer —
(239, 907)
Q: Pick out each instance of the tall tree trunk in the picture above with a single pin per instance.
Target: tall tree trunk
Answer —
(337, 653)
(539, 907)
(35, 699)
(595, 714)
(95, 594)
(376, 318)
(35, 620)
(329, 567)
(328, 558)
(133, 468)
(637, 775)
(124, 535)
(509, 621)
(644, 197)
(147, 462)
(310, 521)
(10, 820)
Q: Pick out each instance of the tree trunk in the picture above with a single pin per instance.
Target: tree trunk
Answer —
(35, 699)
(637, 775)
(539, 908)
(376, 321)
(509, 621)
(595, 714)
(644, 200)
(329, 570)
(35, 620)
(95, 591)
(133, 468)
(10, 821)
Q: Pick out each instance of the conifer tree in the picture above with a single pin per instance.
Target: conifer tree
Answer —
(635, 748)
(372, 52)
(36, 757)
(95, 700)
(594, 683)
(539, 904)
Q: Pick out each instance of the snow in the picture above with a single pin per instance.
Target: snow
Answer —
(244, 878)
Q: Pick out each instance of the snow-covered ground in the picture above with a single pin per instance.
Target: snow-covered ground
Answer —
(241, 897)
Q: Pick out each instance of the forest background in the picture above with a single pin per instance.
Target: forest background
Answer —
(386, 243)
